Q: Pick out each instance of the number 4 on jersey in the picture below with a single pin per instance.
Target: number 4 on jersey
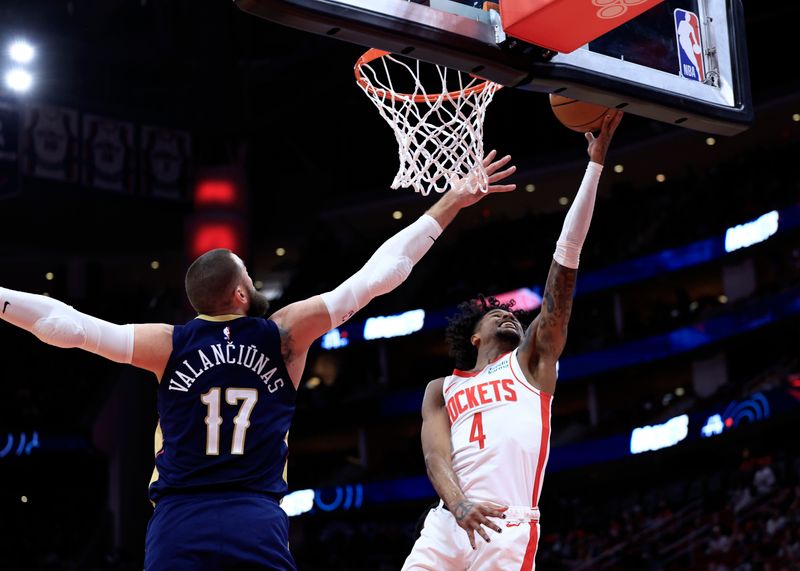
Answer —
(476, 432)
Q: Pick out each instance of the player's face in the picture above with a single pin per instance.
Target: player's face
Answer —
(503, 325)
(259, 304)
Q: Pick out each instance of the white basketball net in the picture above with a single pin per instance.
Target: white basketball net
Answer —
(439, 136)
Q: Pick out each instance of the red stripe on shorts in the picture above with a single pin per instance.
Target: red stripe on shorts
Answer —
(530, 552)
(533, 540)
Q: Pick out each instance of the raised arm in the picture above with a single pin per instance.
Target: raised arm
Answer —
(146, 346)
(303, 322)
(545, 338)
(471, 516)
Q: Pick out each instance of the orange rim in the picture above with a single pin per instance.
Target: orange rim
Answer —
(373, 53)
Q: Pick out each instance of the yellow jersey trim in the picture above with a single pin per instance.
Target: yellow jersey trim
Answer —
(224, 317)
(158, 442)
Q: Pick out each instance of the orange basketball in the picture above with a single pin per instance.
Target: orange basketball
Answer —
(578, 115)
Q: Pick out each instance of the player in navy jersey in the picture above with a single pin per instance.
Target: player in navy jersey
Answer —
(226, 393)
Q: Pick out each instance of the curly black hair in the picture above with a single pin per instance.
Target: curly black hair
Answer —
(461, 326)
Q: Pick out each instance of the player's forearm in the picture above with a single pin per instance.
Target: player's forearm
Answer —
(551, 335)
(444, 479)
(578, 219)
(388, 267)
(446, 208)
(60, 325)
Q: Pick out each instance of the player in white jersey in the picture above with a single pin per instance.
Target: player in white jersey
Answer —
(486, 427)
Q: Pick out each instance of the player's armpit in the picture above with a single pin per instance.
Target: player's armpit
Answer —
(301, 323)
(152, 346)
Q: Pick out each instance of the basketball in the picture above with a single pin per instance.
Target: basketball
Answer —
(578, 115)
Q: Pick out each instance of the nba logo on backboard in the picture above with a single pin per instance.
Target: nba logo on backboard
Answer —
(690, 46)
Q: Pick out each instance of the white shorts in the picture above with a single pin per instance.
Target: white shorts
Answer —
(443, 546)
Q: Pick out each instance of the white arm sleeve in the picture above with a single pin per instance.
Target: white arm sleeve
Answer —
(576, 224)
(388, 267)
(59, 324)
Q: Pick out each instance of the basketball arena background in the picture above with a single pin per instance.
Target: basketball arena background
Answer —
(152, 125)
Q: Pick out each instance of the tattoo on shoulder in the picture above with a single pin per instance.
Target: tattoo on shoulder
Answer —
(462, 509)
(286, 343)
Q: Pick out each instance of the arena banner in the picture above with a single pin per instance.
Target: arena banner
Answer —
(50, 143)
(108, 154)
(165, 162)
(9, 148)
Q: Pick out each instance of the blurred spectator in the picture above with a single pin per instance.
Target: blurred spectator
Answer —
(764, 480)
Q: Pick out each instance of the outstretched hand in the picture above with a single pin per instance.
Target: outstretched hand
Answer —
(598, 146)
(463, 192)
(465, 188)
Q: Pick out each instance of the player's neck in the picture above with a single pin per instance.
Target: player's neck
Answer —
(490, 354)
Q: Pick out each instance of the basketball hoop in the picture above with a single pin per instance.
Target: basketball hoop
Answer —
(440, 135)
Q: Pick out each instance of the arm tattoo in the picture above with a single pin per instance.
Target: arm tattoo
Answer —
(462, 509)
(558, 296)
(286, 344)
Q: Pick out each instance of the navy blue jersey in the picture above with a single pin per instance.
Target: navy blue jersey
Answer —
(225, 403)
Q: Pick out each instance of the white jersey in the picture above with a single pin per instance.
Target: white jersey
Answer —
(500, 432)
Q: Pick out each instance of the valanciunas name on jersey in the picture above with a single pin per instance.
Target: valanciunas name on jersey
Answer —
(231, 354)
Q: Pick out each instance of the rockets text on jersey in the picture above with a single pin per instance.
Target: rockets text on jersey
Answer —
(500, 432)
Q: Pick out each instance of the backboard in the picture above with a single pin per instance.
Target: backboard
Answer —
(648, 66)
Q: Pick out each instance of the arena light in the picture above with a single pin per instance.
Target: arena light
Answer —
(20, 51)
(713, 426)
(753, 232)
(209, 235)
(216, 192)
(335, 339)
(19, 445)
(384, 327)
(298, 502)
(524, 298)
(18, 80)
(660, 436)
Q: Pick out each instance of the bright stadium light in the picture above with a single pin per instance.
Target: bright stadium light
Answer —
(18, 80)
(21, 51)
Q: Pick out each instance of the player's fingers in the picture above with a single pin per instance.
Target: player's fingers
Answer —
(487, 160)
(491, 525)
(590, 136)
(471, 535)
(604, 128)
(611, 120)
(482, 533)
(493, 511)
(494, 177)
(494, 166)
(615, 121)
(502, 187)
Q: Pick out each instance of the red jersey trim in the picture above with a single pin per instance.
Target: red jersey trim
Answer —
(467, 374)
(525, 383)
(543, 451)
